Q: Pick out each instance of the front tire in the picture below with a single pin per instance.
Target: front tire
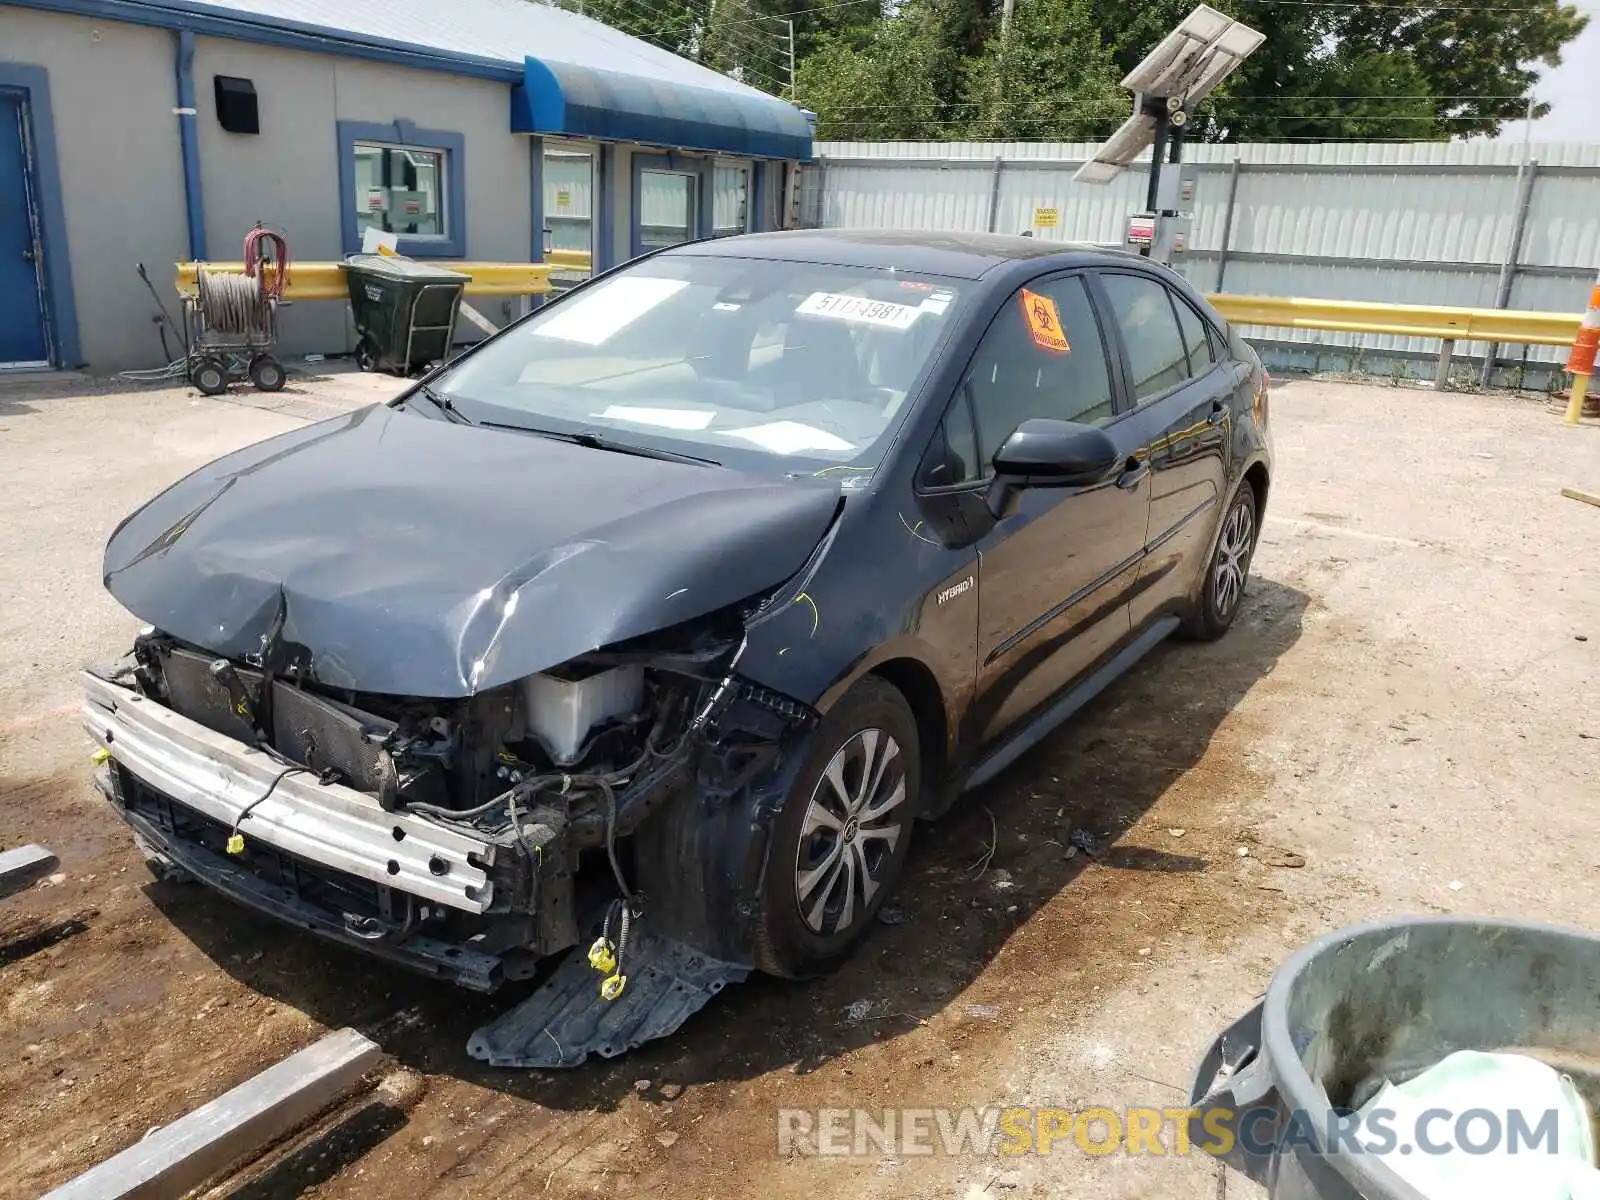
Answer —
(1223, 590)
(210, 377)
(841, 839)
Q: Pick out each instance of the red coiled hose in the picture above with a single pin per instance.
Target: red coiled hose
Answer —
(263, 245)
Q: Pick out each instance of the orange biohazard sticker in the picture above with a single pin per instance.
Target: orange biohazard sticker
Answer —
(1044, 322)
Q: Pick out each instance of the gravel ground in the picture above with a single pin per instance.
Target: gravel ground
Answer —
(1408, 703)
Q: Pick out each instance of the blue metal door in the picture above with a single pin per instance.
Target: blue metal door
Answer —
(22, 329)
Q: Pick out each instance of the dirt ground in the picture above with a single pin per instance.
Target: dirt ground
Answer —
(1408, 704)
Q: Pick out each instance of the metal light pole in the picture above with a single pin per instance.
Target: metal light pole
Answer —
(1166, 85)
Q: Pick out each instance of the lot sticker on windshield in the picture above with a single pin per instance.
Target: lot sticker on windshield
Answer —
(791, 437)
(858, 310)
(667, 418)
(593, 317)
(1044, 322)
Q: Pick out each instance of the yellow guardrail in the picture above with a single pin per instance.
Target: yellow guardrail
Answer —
(1401, 320)
(325, 281)
(568, 260)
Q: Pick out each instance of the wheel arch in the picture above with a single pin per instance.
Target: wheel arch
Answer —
(1260, 481)
(916, 682)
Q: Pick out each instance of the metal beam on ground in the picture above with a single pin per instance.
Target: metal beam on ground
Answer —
(179, 1157)
(23, 867)
(478, 319)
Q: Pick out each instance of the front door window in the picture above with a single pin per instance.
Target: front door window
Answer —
(1042, 357)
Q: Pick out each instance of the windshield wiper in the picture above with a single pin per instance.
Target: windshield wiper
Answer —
(443, 403)
(595, 441)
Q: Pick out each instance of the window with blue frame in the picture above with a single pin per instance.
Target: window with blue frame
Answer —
(730, 208)
(405, 181)
(671, 200)
(667, 204)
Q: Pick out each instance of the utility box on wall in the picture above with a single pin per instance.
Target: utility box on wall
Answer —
(1177, 189)
(237, 111)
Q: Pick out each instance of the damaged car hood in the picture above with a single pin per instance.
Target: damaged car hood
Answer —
(390, 552)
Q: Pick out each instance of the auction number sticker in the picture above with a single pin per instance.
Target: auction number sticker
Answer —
(858, 310)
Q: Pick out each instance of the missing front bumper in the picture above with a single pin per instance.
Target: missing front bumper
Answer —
(328, 824)
(426, 955)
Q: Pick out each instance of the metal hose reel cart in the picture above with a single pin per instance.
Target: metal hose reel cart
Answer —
(231, 321)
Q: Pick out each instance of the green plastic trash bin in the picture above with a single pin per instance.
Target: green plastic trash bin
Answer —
(405, 311)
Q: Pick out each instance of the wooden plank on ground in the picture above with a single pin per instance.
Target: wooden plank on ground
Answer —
(1586, 497)
(23, 867)
(181, 1156)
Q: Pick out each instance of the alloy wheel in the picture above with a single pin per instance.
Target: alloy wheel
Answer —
(852, 824)
(1233, 557)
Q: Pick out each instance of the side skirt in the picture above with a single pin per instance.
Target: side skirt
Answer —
(1019, 743)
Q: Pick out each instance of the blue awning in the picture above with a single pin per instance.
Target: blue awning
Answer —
(592, 102)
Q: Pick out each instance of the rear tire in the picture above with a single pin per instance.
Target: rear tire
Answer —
(366, 354)
(840, 841)
(1223, 591)
(267, 373)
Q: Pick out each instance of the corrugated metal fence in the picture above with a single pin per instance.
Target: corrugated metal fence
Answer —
(1422, 223)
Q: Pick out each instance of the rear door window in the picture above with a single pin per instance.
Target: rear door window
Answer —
(1196, 337)
(1142, 308)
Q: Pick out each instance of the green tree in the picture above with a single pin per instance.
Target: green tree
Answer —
(748, 39)
(914, 69)
(1478, 61)
(675, 25)
(816, 21)
(1365, 68)
(1048, 77)
(883, 81)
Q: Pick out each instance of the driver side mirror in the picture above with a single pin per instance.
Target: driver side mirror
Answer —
(1042, 452)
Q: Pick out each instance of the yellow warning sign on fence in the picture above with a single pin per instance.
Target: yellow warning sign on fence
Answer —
(1046, 218)
(1044, 322)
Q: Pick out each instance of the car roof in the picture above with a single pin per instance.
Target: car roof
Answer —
(958, 255)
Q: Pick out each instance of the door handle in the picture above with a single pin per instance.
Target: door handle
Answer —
(27, 256)
(1133, 473)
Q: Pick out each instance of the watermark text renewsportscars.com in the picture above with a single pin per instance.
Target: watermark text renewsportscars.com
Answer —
(1097, 1131)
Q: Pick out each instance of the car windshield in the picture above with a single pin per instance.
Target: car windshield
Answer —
(757, 362)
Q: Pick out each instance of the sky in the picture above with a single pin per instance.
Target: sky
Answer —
(1565, 88)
